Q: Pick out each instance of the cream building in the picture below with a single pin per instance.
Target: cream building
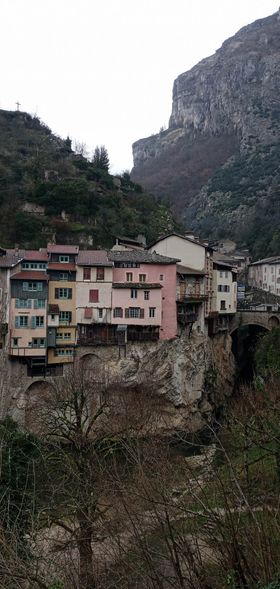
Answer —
(265, 275)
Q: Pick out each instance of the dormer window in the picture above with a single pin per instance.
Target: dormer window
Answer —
(64, 259)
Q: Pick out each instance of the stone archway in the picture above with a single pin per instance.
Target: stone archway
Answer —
(273, 322)
(36, 398)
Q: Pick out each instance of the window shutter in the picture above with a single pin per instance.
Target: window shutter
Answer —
(69, 293)
(33, 322)
(35, 303)
(94, 296)
(142, 312)
(39, 286)
(29, 304)
(56, 293)
(25, 286)
(17, 322)
(121, 312)
(126, 313)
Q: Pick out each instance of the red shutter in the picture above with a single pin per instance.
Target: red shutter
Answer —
(86, 272)
(94, 296)
(100, 273)
(88, 313)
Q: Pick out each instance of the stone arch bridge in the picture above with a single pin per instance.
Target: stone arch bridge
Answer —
(265, 319)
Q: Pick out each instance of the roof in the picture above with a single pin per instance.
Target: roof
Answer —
(30, 275)
(54, 248)
(62, 266)
(140, 257)
(195, 241)
(9, 260)
(190, 271)
(271, 260)
(138, 285)
(93, 258)
(223, 264)
(40, 255)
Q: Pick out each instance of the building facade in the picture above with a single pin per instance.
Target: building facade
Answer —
(265, 275)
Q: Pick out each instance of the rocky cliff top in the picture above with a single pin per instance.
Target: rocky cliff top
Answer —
(222, 144)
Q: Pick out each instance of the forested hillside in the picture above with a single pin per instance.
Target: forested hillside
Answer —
(47, 190)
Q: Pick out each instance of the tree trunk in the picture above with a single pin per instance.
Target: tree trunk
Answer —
(86, 575)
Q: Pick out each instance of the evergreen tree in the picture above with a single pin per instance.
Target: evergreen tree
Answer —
(100, 158)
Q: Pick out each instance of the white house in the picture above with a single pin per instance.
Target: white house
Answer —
(265, 275)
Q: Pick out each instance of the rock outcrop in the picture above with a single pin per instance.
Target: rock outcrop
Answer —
(223, 134)
(193, 377)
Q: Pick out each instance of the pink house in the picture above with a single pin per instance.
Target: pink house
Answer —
(144, 294)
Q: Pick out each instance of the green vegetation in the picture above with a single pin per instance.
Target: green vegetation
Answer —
(78, 200)
(267, 356)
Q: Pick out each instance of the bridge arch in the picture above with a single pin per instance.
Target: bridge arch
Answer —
(263, 319)
(37, 395)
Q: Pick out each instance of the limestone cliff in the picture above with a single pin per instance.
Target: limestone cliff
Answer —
(223, 133)
(192, 376)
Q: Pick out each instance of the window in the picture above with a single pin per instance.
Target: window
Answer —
(129, 277)
(221, 274)
(38, 342)
(63, 276)
(64, 335)
(161, 276)
(134, 312)
(100, 273)
(223, 288)
(39, 303)
(21, 321)
(23, 304)
(34, 265)
(64, 352)
(142, 277)
(133, 293)
(127, 265)
(31, 286)
(100, 313)
(37, 321)
(63, 259)
(223, 306)
(146, 295)
(15, 342)
(118, 312)
(152, 312)
(65, 317)
(86, 273)
(63, 293)
(93, 296)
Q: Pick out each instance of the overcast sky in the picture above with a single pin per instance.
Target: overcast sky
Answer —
(102, 71)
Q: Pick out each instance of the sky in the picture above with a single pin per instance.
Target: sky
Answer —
(102, 71)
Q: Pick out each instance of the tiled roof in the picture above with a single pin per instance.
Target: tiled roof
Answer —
(223, 264)
(139, 285)
(140, 257)
(30, 275)
(40, 255)
(93, 258)
(271, 260)
(190, 271)
(9, 260)
(195, 241)
(54, 248)
(61, 266)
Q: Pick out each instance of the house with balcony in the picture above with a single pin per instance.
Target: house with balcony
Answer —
(143, 295)
(94, 298)
(62, 320)
(224, 297)
(194, 277)
(28, 319)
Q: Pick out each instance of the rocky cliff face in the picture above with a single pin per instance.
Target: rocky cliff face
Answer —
(192, 377)
(225, 116)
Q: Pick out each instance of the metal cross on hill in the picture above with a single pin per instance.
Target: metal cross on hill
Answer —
(18, 105)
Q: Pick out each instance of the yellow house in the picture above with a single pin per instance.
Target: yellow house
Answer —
(62, 321)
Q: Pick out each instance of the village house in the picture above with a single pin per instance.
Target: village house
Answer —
(62, 322)
(194, 277)
(94, 297)
(224, 296)
(9, 264)
(265, 275)
(144, 294)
